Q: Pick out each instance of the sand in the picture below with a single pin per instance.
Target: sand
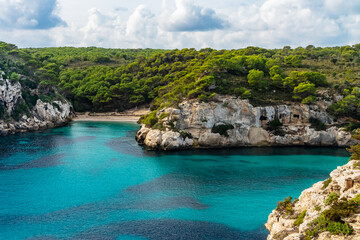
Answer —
(131, 115)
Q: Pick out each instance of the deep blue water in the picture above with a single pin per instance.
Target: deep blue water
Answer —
(92, 181)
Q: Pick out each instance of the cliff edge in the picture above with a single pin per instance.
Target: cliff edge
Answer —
(328, 210)
(233, 122)
(21, 109)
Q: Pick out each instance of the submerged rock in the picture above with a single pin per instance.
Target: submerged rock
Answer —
(247, 126)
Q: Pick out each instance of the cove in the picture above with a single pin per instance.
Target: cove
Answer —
(91, 180)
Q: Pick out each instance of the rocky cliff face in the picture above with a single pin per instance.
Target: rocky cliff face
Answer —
(42, 116)
(342, 188)
(232, 122)
(9, 93)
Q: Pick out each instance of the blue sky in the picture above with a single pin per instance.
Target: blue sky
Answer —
(225, 24)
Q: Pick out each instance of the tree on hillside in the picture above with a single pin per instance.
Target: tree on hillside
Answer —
(256, 79)
(355, 150)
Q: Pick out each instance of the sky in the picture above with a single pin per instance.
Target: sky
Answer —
(169, 24)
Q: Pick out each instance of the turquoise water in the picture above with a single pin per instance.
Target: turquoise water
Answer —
(92, 181)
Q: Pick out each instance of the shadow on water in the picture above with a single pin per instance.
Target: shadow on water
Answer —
(102, 209)
(33, 143)
(44, 162)
(259, 151)
(166, 229)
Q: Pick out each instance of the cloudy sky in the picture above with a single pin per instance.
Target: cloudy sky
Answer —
(224, 24)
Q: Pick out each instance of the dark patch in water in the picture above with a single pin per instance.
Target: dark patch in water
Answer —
(9, 145)
(114, 159)
(127, 145)
(102, 209)
(244, 161)
(44, 162)
(166, 229)
(166, 182)
(93, 127)
(168, 203)
(163, 229)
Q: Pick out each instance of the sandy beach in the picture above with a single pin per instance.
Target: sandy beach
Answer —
(131, 115)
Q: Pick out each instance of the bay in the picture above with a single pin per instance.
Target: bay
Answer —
(91, 180)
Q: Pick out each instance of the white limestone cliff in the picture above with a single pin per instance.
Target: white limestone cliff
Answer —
(249, 125)
(345, 182)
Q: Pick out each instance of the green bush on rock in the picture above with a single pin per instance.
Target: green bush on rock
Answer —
(222, 129)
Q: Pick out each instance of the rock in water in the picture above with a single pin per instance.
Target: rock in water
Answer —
(343, 184)
(233, 122)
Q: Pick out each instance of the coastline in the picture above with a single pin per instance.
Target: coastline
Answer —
(131, 115)
(86, 118)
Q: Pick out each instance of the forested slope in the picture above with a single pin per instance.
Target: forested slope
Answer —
(97, 79)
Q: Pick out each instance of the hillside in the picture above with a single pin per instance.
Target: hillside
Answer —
(96, 79)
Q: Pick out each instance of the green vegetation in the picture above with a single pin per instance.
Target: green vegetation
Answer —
(326, 183)
(300, 218)
(331, 219)
(355, 150)
(331, 198)
(286, 206)
(98, 79)
(317, 124)
(185, 135)
(222, 129)
(275, 127)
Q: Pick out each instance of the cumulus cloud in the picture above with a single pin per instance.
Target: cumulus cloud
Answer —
(29, 14)
(142, 24)
(190, 17)
(179, 24)
(340, 7)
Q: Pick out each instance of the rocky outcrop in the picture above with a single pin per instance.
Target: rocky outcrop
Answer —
(232, 122)
(344, 183)
(43, 116)
(10, 93)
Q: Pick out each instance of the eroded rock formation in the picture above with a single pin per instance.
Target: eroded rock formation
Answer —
(42, 116)
(232, 122)
(344, 183)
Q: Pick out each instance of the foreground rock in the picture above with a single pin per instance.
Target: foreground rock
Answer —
(344, 184)
(232, 122)
(43, 116)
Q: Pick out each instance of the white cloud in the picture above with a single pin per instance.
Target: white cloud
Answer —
(142, 24)
(190, 17)
(341, 7)
(179, 24)
(29, 14)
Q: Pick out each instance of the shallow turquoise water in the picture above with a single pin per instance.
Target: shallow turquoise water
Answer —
(92, 181)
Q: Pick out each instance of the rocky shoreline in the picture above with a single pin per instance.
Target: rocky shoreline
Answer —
(326, 199)
(233, 122)
(43, 116)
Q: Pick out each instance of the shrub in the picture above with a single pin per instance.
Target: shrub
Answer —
(222, 129)
(331, 198)
(275, 127)
(300, 218)
(355, 150)
(286, 206)
(256, 79)
(2, 110)
(163, 115)
(185, 135)
(309, 100)
(352, 126)
(326, 183)
(150, 119)
(317, 124)
(331, 219)
(20, 109)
